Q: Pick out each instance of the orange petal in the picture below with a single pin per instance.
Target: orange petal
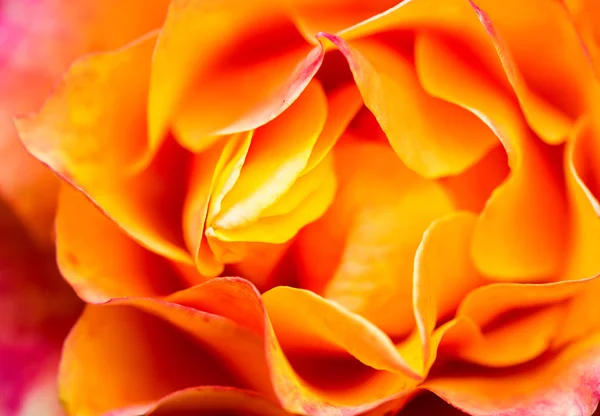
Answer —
(585, 157)
(223, 85)
(85, 143)
(502, 318)
(583, 14)
(237, 300)
(549, 74)
(443, 272)
(392, 92)
(339, 337)
(583, 257)
(156, 348)
(521, 232)
(209, 400)
(563, 383)
(99, 260)
(74, 142)
(360, 253)
(327, 326)
(472, 189)
(313, 16)
(37, 52)
(343, 104)
(101, 100)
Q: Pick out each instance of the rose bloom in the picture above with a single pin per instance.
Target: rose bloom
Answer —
(327, 207)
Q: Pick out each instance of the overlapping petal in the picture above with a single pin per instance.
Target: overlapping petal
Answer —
(521, 231)
(392, 92)
(226, 318)
(218, 66)
(373, 229)
(565, 382)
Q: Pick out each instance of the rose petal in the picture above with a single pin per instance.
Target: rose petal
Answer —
(329, 329)
(583, 14)
(100, 100)
(343, 104)
(584, 157)
(99, 260)
(443, 274)
(472, 189)
(237, 300)
(36, 55)
(210, 400)
(303, 204)
(583, 259)
(208, 57)
(155, 348)
(521, 232)
(359, 254)
(84, 143)
(312, 16)
(553, 84)
(564, 383)
(272, 164)
(327, 326)
(389, 87)
(510, 323)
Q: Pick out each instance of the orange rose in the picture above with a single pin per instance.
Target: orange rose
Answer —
(330, 208)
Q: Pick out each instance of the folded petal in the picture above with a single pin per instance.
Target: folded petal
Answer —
(360, 253)
(272, 164)
(471, 189)
(99, 260)
(299, 381)
(254, 188)
(223, 85)
(510, 323)
(156, 348)
(583, 256)
(552, 84)
(391, 90)
(521, 232)
(331, 348)
(36, 55)
(313, 16)
(583, 14)
(443, 274)
(92, 131)
(583, 158)
(563, 383)
(95, 122)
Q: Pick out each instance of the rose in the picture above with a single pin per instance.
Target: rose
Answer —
(443, 237)
(36, 305)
